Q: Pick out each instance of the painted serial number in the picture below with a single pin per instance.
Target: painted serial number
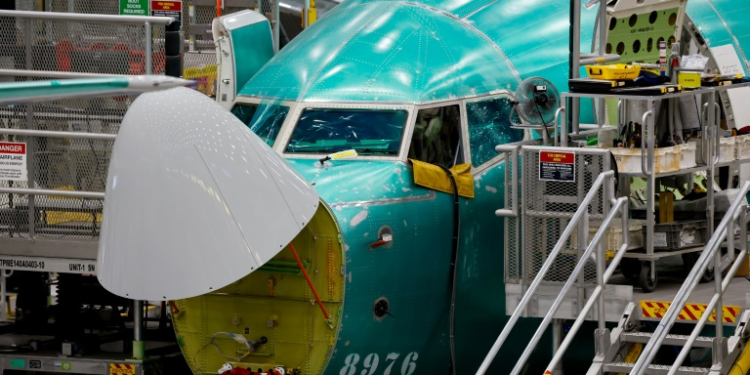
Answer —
(372, 360)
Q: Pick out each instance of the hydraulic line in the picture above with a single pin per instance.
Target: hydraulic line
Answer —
(312, 287)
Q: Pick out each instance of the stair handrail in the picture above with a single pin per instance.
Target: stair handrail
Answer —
(742, 216)
(594, 245)
(737, 209)
(581, 213)
(596, 295)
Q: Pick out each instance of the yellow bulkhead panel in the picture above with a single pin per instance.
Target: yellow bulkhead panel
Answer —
(274, 302)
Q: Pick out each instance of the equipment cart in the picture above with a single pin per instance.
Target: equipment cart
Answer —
(708, 158)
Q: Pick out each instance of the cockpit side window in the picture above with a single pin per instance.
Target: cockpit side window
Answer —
(436, 139)
(489, 126)
(264, 120)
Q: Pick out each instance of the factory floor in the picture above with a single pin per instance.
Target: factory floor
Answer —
(670, 279)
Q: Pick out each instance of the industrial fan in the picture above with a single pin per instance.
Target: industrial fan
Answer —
(537, 100)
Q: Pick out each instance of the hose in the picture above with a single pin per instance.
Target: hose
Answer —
(454, 261)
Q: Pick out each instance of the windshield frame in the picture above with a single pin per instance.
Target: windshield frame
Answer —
(293, 119)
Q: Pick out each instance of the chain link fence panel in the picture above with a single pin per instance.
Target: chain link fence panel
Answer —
(60, 164)
(79, 46)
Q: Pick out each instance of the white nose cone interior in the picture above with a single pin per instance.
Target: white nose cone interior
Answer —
(194, 200)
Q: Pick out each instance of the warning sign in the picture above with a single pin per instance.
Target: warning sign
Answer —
(134, 7)
(13, 161)
(557, 166)
(121, 369)
(172, 8)
(691, 311)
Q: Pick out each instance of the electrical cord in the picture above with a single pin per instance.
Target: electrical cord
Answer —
(454, 269)
(238, 338)
(541, 116)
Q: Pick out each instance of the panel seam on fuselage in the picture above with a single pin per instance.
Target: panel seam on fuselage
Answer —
(483, 7)
(380, 202)
(497, 48)
(335, 53)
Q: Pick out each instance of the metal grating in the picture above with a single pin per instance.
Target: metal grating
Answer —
(512, 261)
(547, 208)
(511, 224)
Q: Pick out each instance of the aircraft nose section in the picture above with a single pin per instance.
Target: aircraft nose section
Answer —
(194, 200)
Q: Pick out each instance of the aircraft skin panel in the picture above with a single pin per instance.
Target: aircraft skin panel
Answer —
(25, 89)
(287, 75)
(410, 274)
(179, 152)
(723, 22)
(36, 91)
(366, 196)
(252, 59)
(427, 56)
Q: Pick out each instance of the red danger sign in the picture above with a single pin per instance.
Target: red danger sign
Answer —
(174, 6)
(13, 161)
(12, 148)
(557, 166)
(167, 9)
(557, 157)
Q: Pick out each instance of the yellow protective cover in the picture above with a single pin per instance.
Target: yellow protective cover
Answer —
(433, 177)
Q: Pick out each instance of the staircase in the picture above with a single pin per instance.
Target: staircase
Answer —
(725, 350)
(630, 347)
(627, 340)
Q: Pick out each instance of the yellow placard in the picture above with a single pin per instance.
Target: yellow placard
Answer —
(121, 369)
(691, 311)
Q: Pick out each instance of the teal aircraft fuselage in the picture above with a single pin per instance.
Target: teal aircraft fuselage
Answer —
(431, 81)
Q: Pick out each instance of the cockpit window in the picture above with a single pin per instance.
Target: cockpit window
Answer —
(375, 132)
(265, 120)
(489, 126)
(436, 138)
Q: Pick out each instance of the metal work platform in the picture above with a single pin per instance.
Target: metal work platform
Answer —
(100, 364)
(51, 214)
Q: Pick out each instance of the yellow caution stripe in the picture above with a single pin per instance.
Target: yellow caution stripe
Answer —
(121, 369)
(690, 312)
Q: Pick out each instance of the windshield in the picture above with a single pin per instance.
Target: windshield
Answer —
(329, 130)
(489, 126)
(265, 120)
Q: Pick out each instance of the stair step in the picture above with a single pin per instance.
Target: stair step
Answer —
(655, 369)
(676, 340)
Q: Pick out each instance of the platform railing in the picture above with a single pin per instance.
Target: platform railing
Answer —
(593, 251)
(60, 41)
(68, 142)
(712, 253)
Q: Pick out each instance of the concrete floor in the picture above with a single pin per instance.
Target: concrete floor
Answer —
(670, 279)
